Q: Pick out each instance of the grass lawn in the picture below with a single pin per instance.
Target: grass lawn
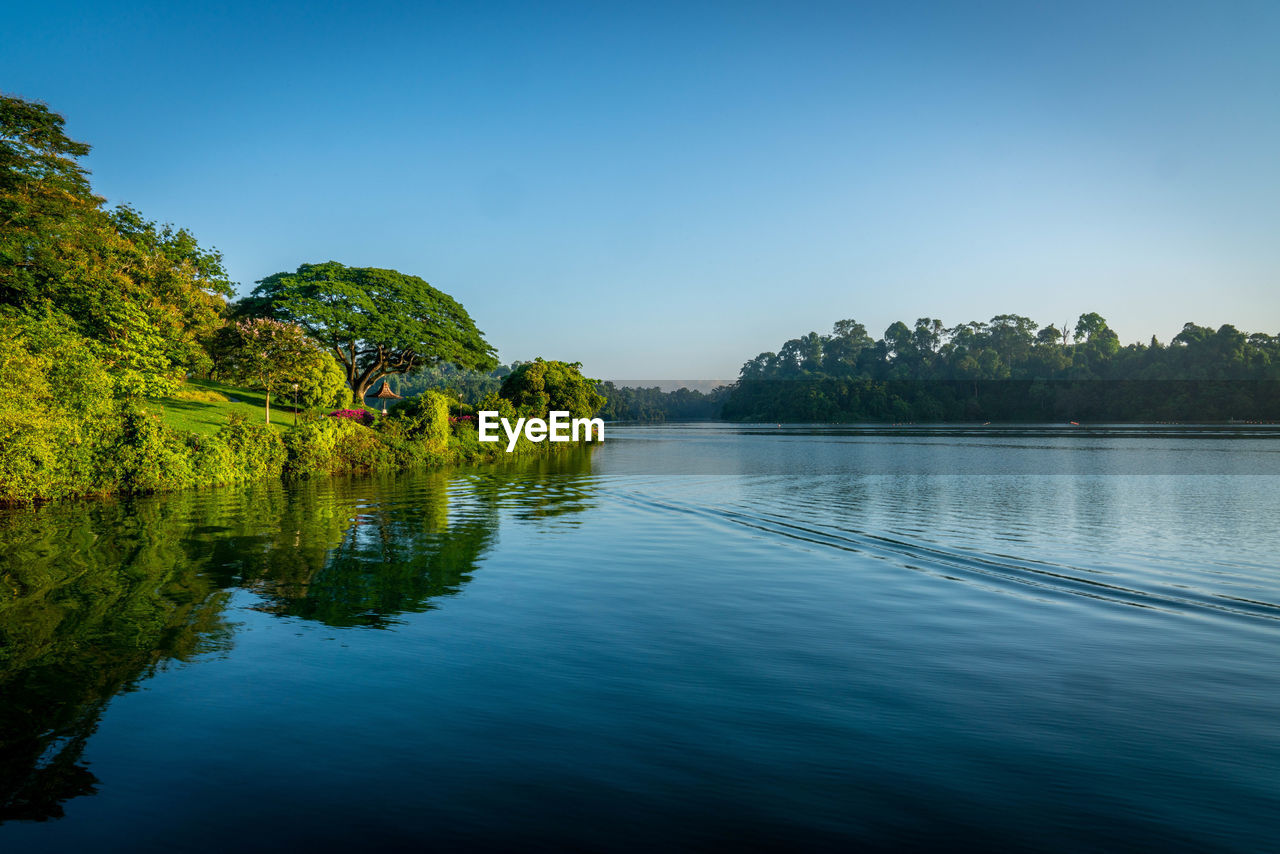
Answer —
(208, 418)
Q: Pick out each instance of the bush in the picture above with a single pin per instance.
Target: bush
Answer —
(64, 432)
(424, 418)
(256, 449)
(56, 411)
(341, 445)
(311, 447)
(359, 449)
(200, 395)
(146, 456)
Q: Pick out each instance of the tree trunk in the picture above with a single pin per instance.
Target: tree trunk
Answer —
(362, 387)
(268, 407)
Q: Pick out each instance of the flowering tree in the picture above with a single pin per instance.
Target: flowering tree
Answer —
(266, 354)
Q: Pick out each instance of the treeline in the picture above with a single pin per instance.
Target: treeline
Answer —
(621, 403)
(624, 403)
(1011, 369)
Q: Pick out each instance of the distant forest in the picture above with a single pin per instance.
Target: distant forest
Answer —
(622, 403)
(1006, 369)
(654, 404)
(1011, 369)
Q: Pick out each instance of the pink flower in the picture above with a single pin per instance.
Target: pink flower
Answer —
(363, 416)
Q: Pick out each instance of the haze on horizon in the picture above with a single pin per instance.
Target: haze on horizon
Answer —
(668, 190)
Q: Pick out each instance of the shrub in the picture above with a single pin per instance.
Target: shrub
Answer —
(56, 412)
(424, 418)
(338, 445)
(359, 449)
(256, 449)
(311, 447)
(146, 456)
(200, 395)
(323, 384)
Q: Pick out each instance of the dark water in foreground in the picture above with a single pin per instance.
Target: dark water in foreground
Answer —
(693, 637)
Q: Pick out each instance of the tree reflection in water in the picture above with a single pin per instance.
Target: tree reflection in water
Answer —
(99, 596)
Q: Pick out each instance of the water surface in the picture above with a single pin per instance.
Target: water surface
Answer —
(1060, 639)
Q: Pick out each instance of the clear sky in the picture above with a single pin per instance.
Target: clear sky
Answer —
(665, 190)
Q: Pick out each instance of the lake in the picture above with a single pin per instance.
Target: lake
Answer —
(694, 636)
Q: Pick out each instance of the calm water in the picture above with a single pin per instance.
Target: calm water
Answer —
(694, 636)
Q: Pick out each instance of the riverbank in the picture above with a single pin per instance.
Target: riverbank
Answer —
(210, 434)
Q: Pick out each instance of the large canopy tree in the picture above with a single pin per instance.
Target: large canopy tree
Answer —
(376, 322)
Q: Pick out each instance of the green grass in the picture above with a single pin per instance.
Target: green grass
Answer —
(209, 418)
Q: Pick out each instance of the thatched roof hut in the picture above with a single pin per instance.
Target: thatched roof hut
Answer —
(387, 394)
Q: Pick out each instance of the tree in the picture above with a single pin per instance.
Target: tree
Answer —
(1096, 343)
(848, 339)
(375, 322)
(1012, 336)
(540, 386)
(323, 384)
(45, 198)
(267, 354)
(143, 295)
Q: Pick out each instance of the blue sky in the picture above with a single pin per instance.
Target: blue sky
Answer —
(665, 190)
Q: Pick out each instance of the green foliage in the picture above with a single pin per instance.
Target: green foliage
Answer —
(425, 417)
(45, 198)
(468, 387)
(340, 445)
(623, 403)
(336, 445)
(147, 456)
(361, 448)
(143, 295)
(57, 408)
(322, 385)
(274, 357)
(1005, 369)
(63, 433)
(312, 447)
(377, 322)
(255, 452)
(539, 387)
(493, 402)
(104, 313)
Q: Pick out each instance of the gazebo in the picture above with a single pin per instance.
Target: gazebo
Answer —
(386, 394)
